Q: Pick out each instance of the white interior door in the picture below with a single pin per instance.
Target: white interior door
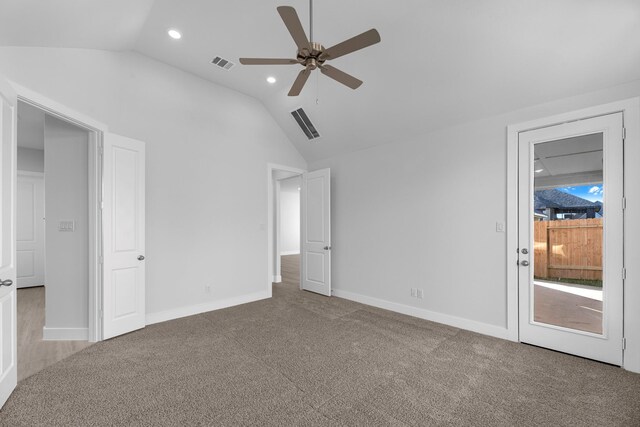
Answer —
(30, 230)
(8, 332)
(571, 238)
(316, 231)
(124, 233)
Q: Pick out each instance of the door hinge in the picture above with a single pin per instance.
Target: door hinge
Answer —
(624, 203)
(101, 150)
(624, 343)
(624, 134)
(624, 273)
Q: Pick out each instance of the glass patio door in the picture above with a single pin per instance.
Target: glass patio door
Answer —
(571, 237)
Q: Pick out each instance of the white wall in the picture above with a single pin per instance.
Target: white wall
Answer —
(422, 214)
(30, 159)
(290, 216)
(202, 228)
(66, 199)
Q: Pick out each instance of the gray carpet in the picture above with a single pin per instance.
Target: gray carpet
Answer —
(304, 359)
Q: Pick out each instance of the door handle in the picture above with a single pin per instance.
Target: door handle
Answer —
(524, 263)
(326, 248)
(6, 282)
(140, 257)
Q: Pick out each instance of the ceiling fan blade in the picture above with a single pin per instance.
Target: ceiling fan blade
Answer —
(300, 81)
(293, 24)
(340, 76)
(358, 42)
(267, 61)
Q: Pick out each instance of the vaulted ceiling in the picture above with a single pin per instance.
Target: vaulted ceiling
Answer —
(440, 62)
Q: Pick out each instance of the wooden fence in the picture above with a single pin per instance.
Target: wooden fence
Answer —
(570, 249)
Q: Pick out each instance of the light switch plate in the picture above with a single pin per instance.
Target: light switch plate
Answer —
(67, 226)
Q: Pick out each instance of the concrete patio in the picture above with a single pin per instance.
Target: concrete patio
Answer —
(569, 306)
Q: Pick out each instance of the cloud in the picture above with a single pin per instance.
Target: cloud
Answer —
(595, 190)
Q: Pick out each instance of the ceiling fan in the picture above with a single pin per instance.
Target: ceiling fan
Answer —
(312, 55)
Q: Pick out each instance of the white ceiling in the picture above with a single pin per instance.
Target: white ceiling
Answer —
(290, 184)
(569, 156)
(440, 63)
(91, 24)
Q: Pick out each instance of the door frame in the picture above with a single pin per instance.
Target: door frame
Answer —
(630, 109)
(272, 192)
(96, 130)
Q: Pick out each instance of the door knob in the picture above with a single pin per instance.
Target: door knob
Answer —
(524, 263)
(6, 282)
(326, 248)
(525, 251)
(140, 257)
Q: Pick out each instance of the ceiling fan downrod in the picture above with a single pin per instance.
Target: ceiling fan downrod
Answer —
(311, 21)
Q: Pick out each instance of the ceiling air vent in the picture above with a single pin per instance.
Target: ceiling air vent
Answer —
(305, 124)
(222, 63)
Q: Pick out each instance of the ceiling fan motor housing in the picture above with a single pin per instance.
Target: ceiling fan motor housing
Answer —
(312, 55)
(312, 59)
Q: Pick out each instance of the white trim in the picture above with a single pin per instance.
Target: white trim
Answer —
(631, 116)
(270, 215)
(176, 313)
(277, 262)
(456, 322)
(55, 108)
(96, 130)
(65, 334)
(284, 253)
(277, 279)
(31, 174)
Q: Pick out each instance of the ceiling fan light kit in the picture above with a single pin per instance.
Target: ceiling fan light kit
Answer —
(312, 55)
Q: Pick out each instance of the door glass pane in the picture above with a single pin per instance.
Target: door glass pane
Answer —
(568, 220)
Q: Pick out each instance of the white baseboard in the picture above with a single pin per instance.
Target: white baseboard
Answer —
(277, 279)
(290, 252)
(176, 313)
(65, 334)
(457, 322)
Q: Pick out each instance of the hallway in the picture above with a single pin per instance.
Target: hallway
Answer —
(34, 354)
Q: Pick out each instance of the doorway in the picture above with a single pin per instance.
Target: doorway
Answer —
(570, 232)
(52, 238)
(115, 224)
(315, 227)
(285, 227)
(287, 232)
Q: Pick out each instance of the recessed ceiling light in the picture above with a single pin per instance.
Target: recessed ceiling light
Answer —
(174, 34)
(271, 79)
(538, 170)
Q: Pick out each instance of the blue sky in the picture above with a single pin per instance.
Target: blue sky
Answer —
(593, 193)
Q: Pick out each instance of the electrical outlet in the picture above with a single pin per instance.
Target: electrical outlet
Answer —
(420, 293)
(414, 292)
(499, 227)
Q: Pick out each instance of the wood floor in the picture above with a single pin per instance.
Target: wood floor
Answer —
(290, 269)
(34, 354)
